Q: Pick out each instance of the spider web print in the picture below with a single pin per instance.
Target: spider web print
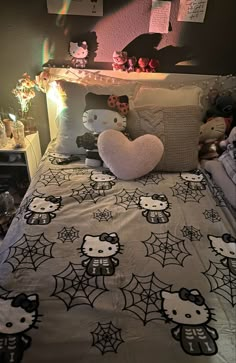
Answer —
(4, 293)
(166, 249)
(29, 252)
(68, 234)
(186, 194)
(151, 178)
(212, 215)
(143, 297)
(107, 338)
(102, 216)
(222, 281)
(23, 206)
(192, 233)
(54, 177)
(129, 199)
(85, 193)
(75, 287)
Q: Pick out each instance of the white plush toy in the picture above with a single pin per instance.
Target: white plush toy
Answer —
(102, 112)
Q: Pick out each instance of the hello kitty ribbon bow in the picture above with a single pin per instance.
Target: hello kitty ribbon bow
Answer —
(112, 237)
(121, 107)
(22, 301)
(196, 298)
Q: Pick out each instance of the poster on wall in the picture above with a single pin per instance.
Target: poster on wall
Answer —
(160, 16)
(76, 7)
(192, 10)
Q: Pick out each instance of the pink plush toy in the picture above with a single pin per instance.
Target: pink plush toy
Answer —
(119, 60)
(143, 65)
(129, 159)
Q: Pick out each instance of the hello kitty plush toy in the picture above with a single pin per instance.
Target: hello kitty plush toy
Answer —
(102, 112)
(79, 53)
(119, 61)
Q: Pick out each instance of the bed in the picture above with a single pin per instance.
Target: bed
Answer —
(99, 269)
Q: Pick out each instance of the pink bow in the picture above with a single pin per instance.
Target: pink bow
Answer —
(121, 107)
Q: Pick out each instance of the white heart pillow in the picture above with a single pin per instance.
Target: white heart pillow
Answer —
(129, 159)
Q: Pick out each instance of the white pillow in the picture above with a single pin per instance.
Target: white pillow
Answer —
(70, 123)
(183, 96)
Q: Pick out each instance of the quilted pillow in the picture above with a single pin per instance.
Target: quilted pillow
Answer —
(177, 127)
(70, 123)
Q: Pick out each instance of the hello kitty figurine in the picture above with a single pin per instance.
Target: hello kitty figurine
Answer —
(225, 246)
(155, 208)
(18, 315)
(79, 53)
(102, 112)
(194, 180)
(119, 60)
(100, 251)
(41, 210)
(187, 308)
(102, 180)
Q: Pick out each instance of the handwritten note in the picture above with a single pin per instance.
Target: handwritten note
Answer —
(160, 16)
(192, 10)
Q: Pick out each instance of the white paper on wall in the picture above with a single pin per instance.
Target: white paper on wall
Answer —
(160, 16)
(76, 7)
(192, 10)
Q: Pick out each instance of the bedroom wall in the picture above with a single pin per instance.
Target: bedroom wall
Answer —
(30, 37)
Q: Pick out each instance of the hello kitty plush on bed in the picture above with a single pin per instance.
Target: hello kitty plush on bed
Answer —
(102, 112)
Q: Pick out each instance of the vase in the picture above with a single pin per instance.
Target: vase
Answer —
(18, 134)
(3, 136)
(8, 124)
(29, 125)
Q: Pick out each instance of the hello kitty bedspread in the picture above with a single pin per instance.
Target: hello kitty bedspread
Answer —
(118, 271)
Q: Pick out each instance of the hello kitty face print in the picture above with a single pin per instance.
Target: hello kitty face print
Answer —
(41, 210)
(102, 180)
(100, 251)
(18, 315)
(155, 208)
(188, 309)
(225, 246)
(194, 180)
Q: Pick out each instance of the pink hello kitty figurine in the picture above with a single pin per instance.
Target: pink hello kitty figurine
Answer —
(79, 53)
(119, 61)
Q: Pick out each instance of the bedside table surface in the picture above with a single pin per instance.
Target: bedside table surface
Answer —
(11, 144)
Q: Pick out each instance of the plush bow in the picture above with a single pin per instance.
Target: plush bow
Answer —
(227, 238)
(186, 294)
(112, 238)
(121, 107)
(22, 301)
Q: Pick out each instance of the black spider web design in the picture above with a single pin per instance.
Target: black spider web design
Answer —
(85, 193)
(212, 215)
(192, 233)
(129, 199)
(68, 234)
(151, 178)
(75, 287)
(29, 252)
(166, 248)
(143, 297)
(4, 293)
(186, 194)
(107, 338)
(23, 206)
(54, 177)
(222, 281)
(103, 216)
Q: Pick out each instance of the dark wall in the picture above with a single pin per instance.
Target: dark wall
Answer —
(30, 37)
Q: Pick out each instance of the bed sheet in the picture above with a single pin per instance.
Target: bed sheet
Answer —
(122, 271)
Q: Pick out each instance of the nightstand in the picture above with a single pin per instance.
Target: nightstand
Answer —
(27, 158)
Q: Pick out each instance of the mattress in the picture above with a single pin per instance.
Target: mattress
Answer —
(108, 270)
